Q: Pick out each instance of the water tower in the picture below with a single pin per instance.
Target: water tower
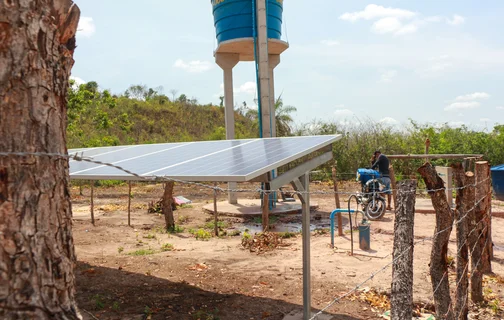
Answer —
(249, 30)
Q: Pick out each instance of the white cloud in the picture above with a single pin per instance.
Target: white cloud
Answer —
(389, 121)
(500, 108)
(463, 105)
(78, 81)
(388, 75)
(434, 19)
(86, 27)
(386, 25)
(407, 29)
(436, 66)
(456, 20)
(330, 43)
(485, 120)
(342, 113)
(195, 66)
(340, 106)
(247, 87)
(473, 96)
(373, 11)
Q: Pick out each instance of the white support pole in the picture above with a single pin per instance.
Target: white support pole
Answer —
(306, 248)
(227, 61)
(264, 74)
(274, 60)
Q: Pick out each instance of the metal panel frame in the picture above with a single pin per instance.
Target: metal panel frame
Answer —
(215, 178)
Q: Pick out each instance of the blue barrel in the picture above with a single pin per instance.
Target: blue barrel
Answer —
(233, 19)
(363, 175)
(498, 181)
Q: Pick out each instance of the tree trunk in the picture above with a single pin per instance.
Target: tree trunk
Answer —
(461, 294)
(167, 206)
(483, 207)
(444, 221)
(402, 269)
(37, 256)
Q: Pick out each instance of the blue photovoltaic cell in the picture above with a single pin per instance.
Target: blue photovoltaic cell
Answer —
(223, 160)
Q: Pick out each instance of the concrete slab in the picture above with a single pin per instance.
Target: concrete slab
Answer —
(252, 207)
(299, 316)
(425, 206)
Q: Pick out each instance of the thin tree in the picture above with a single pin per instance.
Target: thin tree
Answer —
(37, 256)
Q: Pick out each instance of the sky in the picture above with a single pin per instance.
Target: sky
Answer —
(436, 61)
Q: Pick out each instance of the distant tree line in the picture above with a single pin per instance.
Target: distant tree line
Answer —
(145, 115)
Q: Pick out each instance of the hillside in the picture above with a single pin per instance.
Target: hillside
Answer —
(144, 115)
(141, 115)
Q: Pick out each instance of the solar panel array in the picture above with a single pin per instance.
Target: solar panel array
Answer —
(223, 160)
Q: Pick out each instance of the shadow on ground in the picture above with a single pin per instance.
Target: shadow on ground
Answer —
(109, 293)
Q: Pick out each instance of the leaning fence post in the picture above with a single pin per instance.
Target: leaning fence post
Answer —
(402, 269)
(439, 254)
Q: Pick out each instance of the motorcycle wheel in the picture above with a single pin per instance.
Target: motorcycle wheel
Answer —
(375, 209)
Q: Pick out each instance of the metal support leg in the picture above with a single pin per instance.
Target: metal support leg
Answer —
(303, 185)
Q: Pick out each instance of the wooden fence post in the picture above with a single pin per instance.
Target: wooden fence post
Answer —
(337, 201)
(265, 212)
(473, 229)
(393, 185)
(402, 269)
(483, 207)
(129, 203)
(167, 205)
(92, 203)
(462, 293)
(444, 221)
(216, 214)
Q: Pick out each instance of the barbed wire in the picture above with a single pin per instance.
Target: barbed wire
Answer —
(371, 277)
(82, 158)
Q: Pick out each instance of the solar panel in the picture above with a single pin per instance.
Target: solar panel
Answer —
(223, 160)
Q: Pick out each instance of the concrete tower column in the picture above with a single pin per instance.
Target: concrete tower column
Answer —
(227, 61)
(264, 80)
(274, 60)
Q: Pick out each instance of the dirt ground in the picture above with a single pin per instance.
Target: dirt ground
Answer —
(142, 272)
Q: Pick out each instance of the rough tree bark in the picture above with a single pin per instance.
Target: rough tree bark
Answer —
(167, 205)
(444, 221)
(402, 269)
(462, 293)
(483, 210)
(37, 256)
(473, 231)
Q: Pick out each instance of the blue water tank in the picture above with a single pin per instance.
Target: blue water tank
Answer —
(233, 19)
(498, 181)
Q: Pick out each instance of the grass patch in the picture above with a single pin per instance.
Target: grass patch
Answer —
(186, 206)
(142, 252)
(286, 235)
(167, 247)
(220, 224)
(271, 220)
(176, 229)
(183, 219)
(201, 234)
(234, 233)
(98, 302)
(150, 236)
(246, 236)
(120, 249)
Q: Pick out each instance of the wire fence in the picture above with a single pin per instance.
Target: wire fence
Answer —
(215, 188)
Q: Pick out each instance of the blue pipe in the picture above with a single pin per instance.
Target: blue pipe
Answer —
(332, 221)
(254, 35)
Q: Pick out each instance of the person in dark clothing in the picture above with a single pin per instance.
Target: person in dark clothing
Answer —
(381, 162)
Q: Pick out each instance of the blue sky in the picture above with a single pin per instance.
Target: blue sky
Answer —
(429, 60)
